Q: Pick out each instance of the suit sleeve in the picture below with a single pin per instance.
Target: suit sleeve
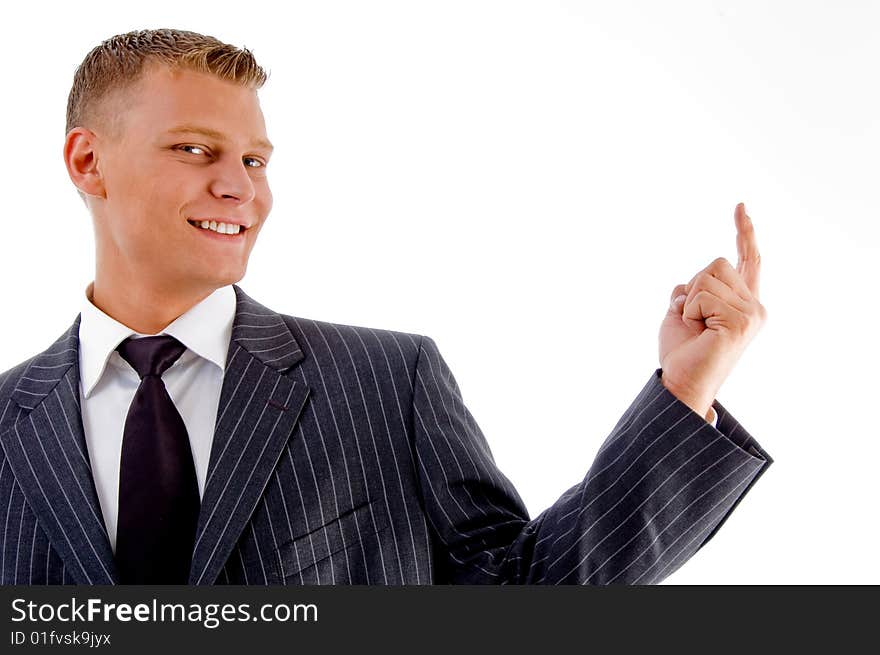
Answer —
(661, 485)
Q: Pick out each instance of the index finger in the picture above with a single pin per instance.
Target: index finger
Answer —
(749, 262)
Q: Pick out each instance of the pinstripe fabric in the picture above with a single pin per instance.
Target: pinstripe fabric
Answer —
(345, 455)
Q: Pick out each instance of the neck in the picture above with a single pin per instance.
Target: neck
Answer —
(144, 309)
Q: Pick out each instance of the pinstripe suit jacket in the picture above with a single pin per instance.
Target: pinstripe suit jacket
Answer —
(345, 455)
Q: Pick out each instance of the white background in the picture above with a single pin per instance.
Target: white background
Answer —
(525, 182)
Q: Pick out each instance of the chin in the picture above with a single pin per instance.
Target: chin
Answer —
(217, 281)
(232, 278)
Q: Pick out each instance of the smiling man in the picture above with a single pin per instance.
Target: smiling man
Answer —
(180, 432)
(174, 172)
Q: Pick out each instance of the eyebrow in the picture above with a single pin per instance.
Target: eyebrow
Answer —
(214, 134)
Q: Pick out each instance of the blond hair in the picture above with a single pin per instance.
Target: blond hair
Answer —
(117, 63)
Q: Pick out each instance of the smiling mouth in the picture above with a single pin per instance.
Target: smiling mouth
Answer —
(198, 225)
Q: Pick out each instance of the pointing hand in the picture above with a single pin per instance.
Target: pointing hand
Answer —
(710, 321)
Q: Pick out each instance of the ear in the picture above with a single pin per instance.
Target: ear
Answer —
(81, 159)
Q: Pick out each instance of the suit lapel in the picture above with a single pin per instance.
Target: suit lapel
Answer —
(259, 407)
(46, 450)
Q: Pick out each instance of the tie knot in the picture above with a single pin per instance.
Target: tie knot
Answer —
(151, 355)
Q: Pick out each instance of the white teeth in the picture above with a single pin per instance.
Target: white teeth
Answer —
(221, 228)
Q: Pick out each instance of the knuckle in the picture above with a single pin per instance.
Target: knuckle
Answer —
(739, 325)
(756, 317)
(762, 312)
(719, 263)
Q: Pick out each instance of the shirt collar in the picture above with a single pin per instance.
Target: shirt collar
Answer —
(205, 329)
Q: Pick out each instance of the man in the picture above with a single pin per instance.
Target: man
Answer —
(181, 432)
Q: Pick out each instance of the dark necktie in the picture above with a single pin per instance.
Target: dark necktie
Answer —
(158, 492)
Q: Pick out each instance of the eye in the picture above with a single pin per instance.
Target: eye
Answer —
(191, 146)
(261, 164)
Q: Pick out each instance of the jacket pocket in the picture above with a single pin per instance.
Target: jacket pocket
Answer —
(346, 530)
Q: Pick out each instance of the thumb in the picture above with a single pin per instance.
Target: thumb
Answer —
(677, 305)
(677, 299)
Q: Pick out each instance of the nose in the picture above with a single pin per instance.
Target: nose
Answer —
(231, 180)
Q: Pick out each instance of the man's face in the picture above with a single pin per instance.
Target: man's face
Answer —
(158, 179)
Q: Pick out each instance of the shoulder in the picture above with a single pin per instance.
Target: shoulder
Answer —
(357, 342)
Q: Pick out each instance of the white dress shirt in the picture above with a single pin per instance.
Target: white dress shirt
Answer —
(108, 384)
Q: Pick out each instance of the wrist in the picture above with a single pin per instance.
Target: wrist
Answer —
(711, 416)
(699, 403)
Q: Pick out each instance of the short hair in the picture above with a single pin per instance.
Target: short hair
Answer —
(118, 63)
